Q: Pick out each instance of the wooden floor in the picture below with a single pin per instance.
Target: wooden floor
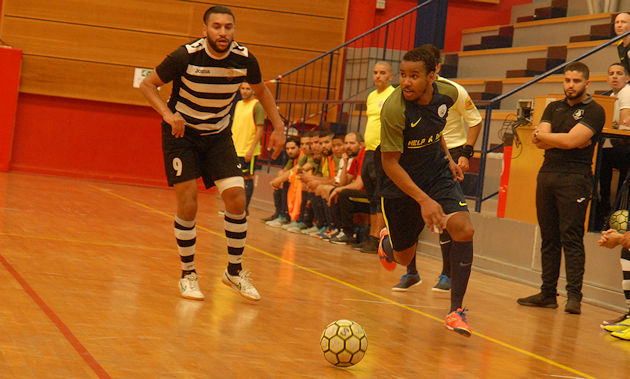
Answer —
(88, 288)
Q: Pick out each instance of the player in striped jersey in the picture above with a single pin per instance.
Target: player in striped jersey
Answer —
(196, 139)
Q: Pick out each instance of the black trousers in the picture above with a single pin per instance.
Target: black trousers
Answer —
(561, 203)
(370, 173)
(280, 200)
(349, 203)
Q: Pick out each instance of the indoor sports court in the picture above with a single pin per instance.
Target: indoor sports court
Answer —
(88, 286)
(89, 263)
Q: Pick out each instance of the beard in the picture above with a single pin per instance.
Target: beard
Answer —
(215, 47)
(577, 95)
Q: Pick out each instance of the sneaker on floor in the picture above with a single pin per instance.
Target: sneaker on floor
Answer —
(615, 320)
(277, 222)
(573, 306)
(407, 281)
(221, 213)
(358, 245)
(242, 284)
(618, 326)
(326, 234)
(622, 334)
(297, 227)
(538, 300)
(370, 246)
(272, 217)
(189, 287)
(289, 225)
(312, 230)
(382, 257)
(341, 238)
(456, 321)
(443, 284)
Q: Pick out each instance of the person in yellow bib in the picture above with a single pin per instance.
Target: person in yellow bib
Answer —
(382, 76)
(247, 130)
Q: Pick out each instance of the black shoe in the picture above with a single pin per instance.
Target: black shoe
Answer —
(341, 238)
(272, 217)
(573, 306)
(370, 246)
(538, 300)
(359, 245)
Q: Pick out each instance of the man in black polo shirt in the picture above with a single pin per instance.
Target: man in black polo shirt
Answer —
(568, 131)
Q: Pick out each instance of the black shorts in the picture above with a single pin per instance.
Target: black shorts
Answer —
(210, 156)
(247, 168)
(404, 220)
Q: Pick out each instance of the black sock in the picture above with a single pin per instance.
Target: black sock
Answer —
(234, 268)
(186, 272)
(249, 191)
(445, 246)
(461, 263)
(411, 268)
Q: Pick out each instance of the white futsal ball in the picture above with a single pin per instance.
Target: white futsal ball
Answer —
(344, 343)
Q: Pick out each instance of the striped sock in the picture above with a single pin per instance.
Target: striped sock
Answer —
(186, 236)
(625, 267)
(236, 233)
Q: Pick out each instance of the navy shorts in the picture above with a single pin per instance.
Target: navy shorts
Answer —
(402, 214)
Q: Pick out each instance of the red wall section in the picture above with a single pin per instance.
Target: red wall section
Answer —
(10, 64)
(88, 139)
(462, 14)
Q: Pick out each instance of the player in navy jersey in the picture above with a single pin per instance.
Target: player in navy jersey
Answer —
(419, 186)
(196, 139)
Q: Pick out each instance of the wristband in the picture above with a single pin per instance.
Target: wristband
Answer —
(467, 151)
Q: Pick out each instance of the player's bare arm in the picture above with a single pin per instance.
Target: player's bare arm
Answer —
(357, 184)
(269, 104)
(149, 88)
(456, 170)
(432, 212)
(473, 133)
(578, 137)
(257, 138)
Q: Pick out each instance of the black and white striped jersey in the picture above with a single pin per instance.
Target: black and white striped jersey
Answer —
(204, 85)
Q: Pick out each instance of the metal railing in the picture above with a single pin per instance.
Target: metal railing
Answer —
(344, 73)
(479, 198)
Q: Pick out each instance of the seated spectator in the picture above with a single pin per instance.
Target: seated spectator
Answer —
(284, 180)
(323, 173)
(350, 198)
(616, 151)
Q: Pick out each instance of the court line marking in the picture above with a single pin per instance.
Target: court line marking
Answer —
(63, 328)
(383, 298)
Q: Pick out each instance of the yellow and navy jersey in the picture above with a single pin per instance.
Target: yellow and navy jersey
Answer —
(204, 85)
(416, 131)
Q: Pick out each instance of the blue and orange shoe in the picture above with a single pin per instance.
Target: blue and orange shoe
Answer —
(456, 321)
(385, 261)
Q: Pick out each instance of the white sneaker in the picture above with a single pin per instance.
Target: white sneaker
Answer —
(289, 225)
(277, 222)
(312, 229)
(189, 287)
(242, 284)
